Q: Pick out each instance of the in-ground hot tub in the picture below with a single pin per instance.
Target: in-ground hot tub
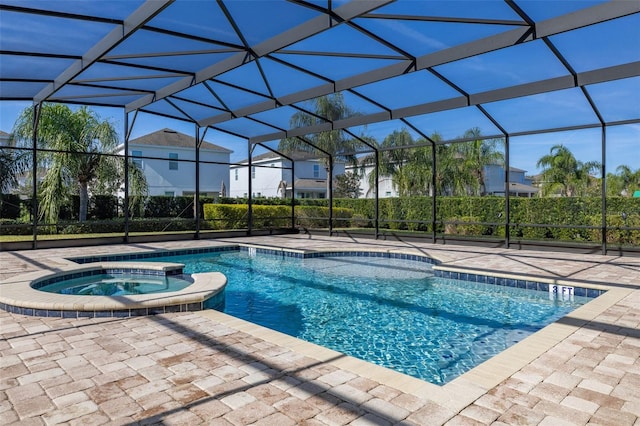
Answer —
(166, 290)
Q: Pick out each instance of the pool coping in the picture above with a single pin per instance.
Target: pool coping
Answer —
(19, 296)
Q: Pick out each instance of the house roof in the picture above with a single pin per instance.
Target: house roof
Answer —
(310, 184)
(172, 138)
(297, 156)
(520, 187)
(515, 169)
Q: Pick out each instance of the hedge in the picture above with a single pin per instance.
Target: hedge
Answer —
(9, 206)
(234, 216)
(318, 216)
(563, 219)
(528, 216)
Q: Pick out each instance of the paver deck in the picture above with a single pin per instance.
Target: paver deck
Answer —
(209, 368)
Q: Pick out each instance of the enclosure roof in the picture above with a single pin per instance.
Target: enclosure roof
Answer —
(245, 67)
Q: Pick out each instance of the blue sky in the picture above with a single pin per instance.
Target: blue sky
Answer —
(606, 44)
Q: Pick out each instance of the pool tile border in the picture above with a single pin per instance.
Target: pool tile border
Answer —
(21, 295)
(38, 284)
(447, 273)
(581, 291)
(216, 300)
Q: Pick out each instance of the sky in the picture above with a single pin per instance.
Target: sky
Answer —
(614, 43)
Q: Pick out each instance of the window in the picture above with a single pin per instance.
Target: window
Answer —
(173, 165)
(388, 193)
(136, 161)
(235, 173)
(316, 170)
(169, 193)
(253, 172)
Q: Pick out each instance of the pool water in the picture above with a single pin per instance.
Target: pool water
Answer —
(117, 285)
(390, 312)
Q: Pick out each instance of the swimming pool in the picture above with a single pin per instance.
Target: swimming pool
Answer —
(392, 312)
(118, 285)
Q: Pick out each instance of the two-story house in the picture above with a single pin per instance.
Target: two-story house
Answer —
(520, 185)
(168, 158)
(271, 176)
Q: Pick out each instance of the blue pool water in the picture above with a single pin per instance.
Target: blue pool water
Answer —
(117, 285)
(390, 312)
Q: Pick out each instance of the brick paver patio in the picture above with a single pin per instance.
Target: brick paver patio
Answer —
(207, 368)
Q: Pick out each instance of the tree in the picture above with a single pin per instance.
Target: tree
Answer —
(391, 160)
(347, 186)
(75, 143)
(564, 174)
(629, 179)
(476, 155)
(336, 143)
(12, 164)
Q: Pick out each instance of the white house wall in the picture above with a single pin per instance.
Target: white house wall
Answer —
(385, 184)
(269, 173)
(161, 180)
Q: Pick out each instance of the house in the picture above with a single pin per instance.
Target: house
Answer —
(271, 177)
(520, 185)
(5, 138)
(386, 189)
(167, 158)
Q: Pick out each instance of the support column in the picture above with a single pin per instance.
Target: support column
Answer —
(377, 194)
(293, 193)
(196, 196)
(604, 188)
(330, 177)
(250, 185)
(34, 179)
(125, 200)
(435, 192)
(507, 198)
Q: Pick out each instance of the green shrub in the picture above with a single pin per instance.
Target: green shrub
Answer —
(318, 216)
(15, 227)
(226, 216)
(360, 221)
(235, 216)
(9, 206)
(616, 232)
(161, 206)
(464, 225)
(103, 207)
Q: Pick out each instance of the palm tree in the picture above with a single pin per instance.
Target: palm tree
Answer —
(75, 142)
(475, 156)
(564, 174)
(337, 143)
(629, 179)
(391, 160)
(13, 163)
